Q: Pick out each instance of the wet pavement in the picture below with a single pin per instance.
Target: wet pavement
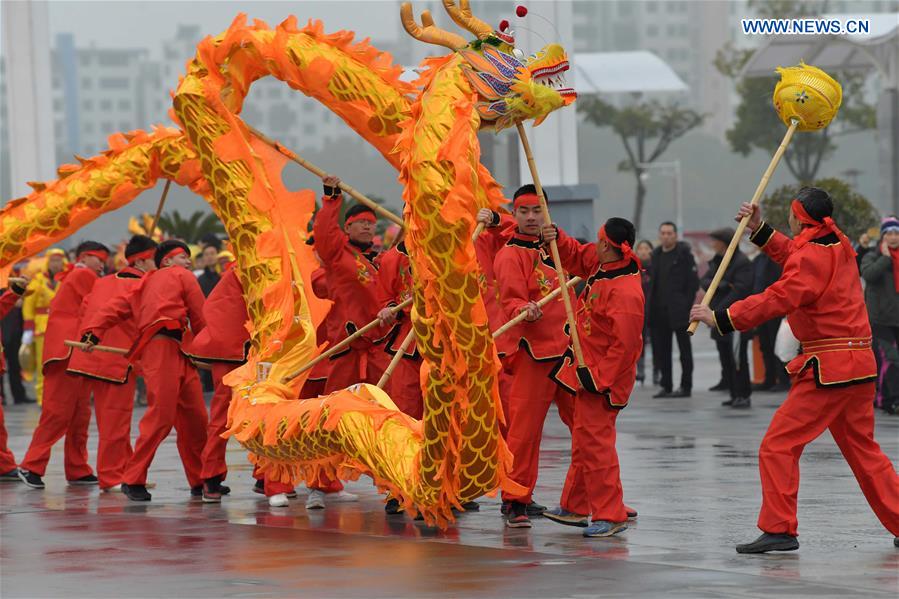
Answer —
(688, 465)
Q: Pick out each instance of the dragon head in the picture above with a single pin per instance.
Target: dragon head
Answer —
(510, 87)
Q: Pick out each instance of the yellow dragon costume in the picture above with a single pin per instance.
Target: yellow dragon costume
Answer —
(428, 131)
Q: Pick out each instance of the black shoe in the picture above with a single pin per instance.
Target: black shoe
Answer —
(762, 386)
(85, 481)
(259, 486)
(896, 541)
(680, 393)
(518, 516)
(535, 509)
(504, 508)
(471, 506)
(31, 479)
(196, 492)
(769, 542)
(11, 476)
(136, 492)
(212, 491)
(662, 393)
(393, 507)
(728, 402)
(741, 402)
(720, 386)
(224, 489)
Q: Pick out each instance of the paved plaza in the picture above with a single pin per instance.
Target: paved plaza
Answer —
(688, 465)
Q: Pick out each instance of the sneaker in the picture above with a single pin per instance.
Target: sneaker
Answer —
(31, 479)
(292, 494)
(393, 507)
(11, 476)
(504, 508)
(259, 486)
(770, 542)
(85, 481)
(562, 516)
(728, 402)
(212, 491)
(631, 512)
(112, 489)
(602, 528)
(279, 500)
(741, 402)
(224, 489)
(136, 492)
(535, 509)
(518, 516)
(316, 500)
(343, 497)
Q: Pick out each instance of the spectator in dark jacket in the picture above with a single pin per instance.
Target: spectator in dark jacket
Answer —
(732, 347)
(209, 278)
(765, 272)
(643, 250)
(673, 284)
(880, 270)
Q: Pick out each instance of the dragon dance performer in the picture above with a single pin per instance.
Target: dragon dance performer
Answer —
(610, 324)
(833, 378)
(328, 330)
(8, 470)
(525, 274)
(110, 376)
(163, 304)
(66, 410)
(36, 310)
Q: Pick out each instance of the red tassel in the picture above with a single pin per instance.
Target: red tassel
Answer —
(521, 10)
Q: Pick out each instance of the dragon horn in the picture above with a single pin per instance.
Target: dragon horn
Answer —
(430, 33)
(463, 18)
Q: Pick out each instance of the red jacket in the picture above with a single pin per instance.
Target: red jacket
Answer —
(104, 366)
(525, 273)
(821, 296)
(7, 301)
(225, 338)
(167, 299)
(609, 323)
(486, 246)
(329, 330)
(352, 274)
(66, 311)
(395, 287)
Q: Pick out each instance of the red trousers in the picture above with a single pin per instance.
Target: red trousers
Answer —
(531, 392)
(174, 399)
(593, 483)
(214, 451)
(66, 412)
(364, 365)
(113, 405)
(849, 414)
(405, 387)
(7, 461)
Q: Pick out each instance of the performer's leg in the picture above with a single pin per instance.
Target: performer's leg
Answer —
(56, 415)
(38, 370)
(214, 451)
(190, 422)
(405, 388)
(113, 405)
(7, 460)
(853, 431)
(75, 448)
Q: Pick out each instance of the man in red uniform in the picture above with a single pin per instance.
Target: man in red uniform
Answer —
(525, 273)
(610, 328)
(8, 470)
(66, 410)
(168, 308)
(833, 378)
(110, 375)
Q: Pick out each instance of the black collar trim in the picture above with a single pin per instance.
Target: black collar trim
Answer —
(630, 269)
(829, 239)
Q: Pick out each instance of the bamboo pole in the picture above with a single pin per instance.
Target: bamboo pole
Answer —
(104, 348)
(554, 249)
(318, 172)
(342, 344)
(543, 301)
(165, 193)
(477, 232)
(394, 362)
(735, 241)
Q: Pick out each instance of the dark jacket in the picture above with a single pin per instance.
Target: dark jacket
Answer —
(735, 284)
(765, 272)
(208, 279)
(880, 289)
(683, 284)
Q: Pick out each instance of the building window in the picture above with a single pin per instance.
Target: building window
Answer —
(114, 83)
(124, 104)
(87, 127)
(106, 127)
(105, 105)
(57, 104)
(87, 104)
(652, 6)
(671, 30)
(652, 31)
(123, 126)
(309, 129)
(274, 92)
(86, 83)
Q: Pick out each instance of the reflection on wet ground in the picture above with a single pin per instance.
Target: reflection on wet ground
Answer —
(689, 466)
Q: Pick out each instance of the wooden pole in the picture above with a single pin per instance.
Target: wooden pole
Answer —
(554, 249)
(735, 241)
(477, 232)
(394, 362)
(165, 193)
(543, 301)
(353, 192)
(342, 344)
(103, 348)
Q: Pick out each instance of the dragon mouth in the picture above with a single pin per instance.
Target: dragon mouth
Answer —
(554, 78)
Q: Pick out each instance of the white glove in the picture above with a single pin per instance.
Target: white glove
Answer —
(27, 337)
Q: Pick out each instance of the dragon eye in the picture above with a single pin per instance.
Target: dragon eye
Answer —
(518, 53)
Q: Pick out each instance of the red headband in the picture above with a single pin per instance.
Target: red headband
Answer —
(366, 215)
(144, 255)
(173, 252)
(526, 199)
(104, 256)
(627, 253)
(816, 228)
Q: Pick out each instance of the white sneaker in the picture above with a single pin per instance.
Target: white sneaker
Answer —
(279, 500)
(343, 497)
(316, 500)
(112, 489)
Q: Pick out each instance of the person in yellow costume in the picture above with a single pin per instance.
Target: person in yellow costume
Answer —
(36, 311)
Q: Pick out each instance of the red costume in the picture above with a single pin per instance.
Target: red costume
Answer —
(7, 460)
(223, 344)
(352, 283)
(395, 279)
(110, 378)
(524, 272)
(328, 330)
(66, 410)
(162, 305)
(610, 327)
(833, 377)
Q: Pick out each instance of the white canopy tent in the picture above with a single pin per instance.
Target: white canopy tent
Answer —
(623, 72)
